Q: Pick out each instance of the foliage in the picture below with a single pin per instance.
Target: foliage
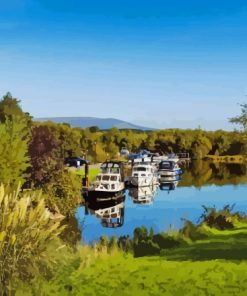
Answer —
(222, 219)
(165, 241)
(191, 231)
(10, 109)
(241, 119)
(28, 237)
(63, 192)
(44, 159)
(147, 243)
(14, 159)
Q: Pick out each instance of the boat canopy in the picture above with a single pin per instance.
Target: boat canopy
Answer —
(166, 165)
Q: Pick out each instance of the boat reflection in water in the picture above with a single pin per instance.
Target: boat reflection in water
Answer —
(143, 195)
(169, 183)
(109, 211)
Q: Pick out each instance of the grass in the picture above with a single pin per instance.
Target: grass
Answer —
(122, 275)
(209, 261)
(214, 265)
(93, 172)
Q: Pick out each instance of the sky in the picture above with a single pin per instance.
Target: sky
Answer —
(155, 63)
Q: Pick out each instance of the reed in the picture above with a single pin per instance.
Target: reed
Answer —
(29, 236)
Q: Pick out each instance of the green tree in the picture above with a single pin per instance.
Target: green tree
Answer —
(14, 159)
(241, 119)
(10, 108)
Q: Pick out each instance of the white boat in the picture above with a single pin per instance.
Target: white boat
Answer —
(168, 168)
(109, 182)
(143, 174)
(143, 195)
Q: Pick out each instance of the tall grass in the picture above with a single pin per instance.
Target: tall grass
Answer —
(28, 237)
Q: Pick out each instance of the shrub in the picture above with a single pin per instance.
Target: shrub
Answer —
(164, 241)
(145, 248)
(125, 243)
(28, 237)
(63, 192)
(140, 234)
(222, 219)
(191, 231)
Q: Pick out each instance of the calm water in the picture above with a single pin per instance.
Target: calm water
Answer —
(202, 184)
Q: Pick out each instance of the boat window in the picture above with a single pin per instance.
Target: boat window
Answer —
(113, 186)
(105, 178)
(98, 178)
(113, 178)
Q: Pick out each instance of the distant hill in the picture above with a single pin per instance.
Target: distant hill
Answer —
(102, 123)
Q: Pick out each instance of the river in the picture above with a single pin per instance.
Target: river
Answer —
(202, 183)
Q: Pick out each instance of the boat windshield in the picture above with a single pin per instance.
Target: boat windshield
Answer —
(115, 170)
(140, 169)
(166, 165)
(110, 170)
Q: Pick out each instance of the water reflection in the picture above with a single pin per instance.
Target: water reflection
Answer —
(201, 173)
(109, 211)
(169, 183)
(143, 195)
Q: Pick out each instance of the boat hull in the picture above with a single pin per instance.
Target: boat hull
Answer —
(99, 195)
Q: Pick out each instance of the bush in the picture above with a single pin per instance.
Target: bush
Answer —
(164, 241)
(222, 219)
(28, 237)
(191, 231)
(145, 248)
(63, 192)
(125, 243)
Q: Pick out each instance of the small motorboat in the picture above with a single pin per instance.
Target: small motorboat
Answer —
(109, 183)
(168, 168)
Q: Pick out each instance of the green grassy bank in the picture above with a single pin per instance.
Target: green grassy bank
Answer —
(121, 275)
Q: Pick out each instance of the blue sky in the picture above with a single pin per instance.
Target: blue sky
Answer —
(155, 63)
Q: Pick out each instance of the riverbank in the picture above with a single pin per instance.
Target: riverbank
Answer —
(120, 274)
(210, 259)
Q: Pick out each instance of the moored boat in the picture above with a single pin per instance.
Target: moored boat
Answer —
(109, 183)
(143, 174)
(168, 168)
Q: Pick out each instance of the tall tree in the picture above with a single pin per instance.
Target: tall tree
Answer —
(43, 151)
(242, 118)
(14, 159)
(10, 108)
